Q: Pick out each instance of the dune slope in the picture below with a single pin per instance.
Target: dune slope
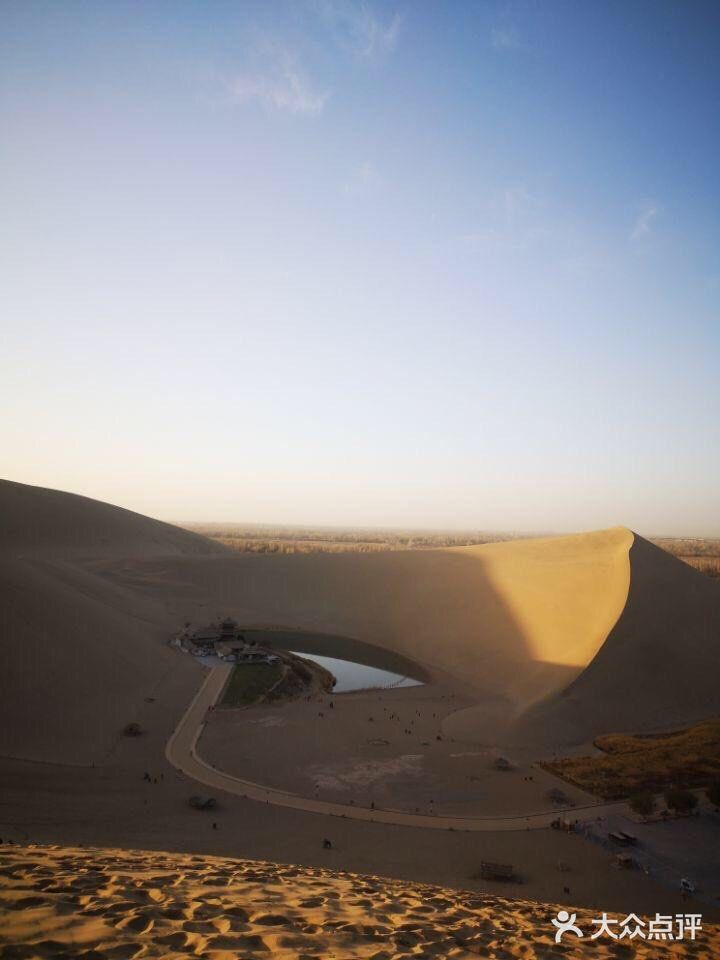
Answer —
(659, 666)
(515, 620)
(60, 901)
(573, 635)
(78, 654)
(36, 520)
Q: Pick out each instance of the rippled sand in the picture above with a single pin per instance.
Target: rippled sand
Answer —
(60, 902)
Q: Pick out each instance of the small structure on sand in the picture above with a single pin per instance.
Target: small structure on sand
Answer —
(559, 796)
(502, 763)
(623, 838)
(624, 861)
(200, 802)
(228, 629)
(225, 641)
(503, 872)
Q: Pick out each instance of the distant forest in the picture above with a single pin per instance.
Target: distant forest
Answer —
(270, 539)
(701, 553)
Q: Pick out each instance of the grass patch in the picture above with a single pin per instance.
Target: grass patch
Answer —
(633, 764)
(249, 682)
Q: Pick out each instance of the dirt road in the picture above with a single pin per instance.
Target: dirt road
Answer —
(182, 753)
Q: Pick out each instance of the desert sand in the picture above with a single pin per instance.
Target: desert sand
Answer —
(102, 904)
(528, 646)
(561, 638)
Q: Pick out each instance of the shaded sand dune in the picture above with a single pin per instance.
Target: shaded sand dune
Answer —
(69, 902)
(603, 629)
(78, 653)
(35, 520)
(572, 635)
(515, 620)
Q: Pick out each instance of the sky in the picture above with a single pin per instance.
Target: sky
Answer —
(408, 263)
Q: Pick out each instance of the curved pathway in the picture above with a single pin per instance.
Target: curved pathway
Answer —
(181, 752)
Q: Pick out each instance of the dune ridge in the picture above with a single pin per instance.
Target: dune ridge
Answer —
(657, 669)
(559, 638)
(109, 903)
(52, 523)
(78, 653)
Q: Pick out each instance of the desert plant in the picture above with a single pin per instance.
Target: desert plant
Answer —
(680, 800)
(642, 803)
(713, 793)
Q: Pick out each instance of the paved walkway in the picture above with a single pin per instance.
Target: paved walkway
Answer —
(181, 751)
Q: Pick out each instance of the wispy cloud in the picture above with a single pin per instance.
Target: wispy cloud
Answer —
(282, 88)
(644, 225)
(520, 205)
(517, 221)
(359, 26)
(505, 39)
(361, 181)
(276, 78)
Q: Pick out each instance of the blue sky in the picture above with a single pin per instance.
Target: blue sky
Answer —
(325, 261)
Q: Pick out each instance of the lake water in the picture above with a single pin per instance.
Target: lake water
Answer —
(359, 676)
(356, 664)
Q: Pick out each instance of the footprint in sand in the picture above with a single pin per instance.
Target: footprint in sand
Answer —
(312, 902)
(151, 895)
(136, 924)
(206, 911)
(222, 942)
(19, 952)
(48, 948)
(28, 903)
(250, 941)
(122, 951)
(271, 920)
(204, 927)
(121, 907)
(237, 914)
(174, 913)
(177, 939)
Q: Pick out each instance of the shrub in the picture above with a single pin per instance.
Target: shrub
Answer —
(713, 793)
(642, 803)
(680, 800)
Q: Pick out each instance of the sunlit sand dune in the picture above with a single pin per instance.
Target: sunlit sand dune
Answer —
(104, 904)
(543, 642)
(657, 670)
(559, 637)
(517, 620)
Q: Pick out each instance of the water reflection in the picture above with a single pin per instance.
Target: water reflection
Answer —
(359, 676)
(357, 665)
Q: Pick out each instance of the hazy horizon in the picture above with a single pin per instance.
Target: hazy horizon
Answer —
(354, 264)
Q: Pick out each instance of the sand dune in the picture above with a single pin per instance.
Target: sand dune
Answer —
(658, 668)
(597, 628)
(563, 637)
(548, 639)
(78, 654)
(35, 520)
(104, 904)
(517, 620)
